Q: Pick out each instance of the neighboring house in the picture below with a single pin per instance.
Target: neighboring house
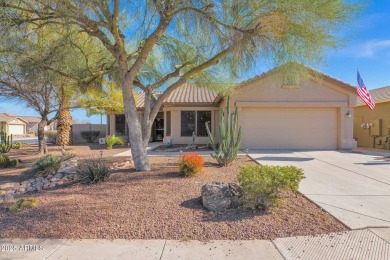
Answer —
(372, 127)
(314, 114)
(33, 121)
(12, 124)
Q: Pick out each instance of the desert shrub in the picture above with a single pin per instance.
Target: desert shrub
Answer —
(93, 171)
(229, 137)
(22, 204)
(19, 145)
(190, 164)
(48, 164)
(6, 162)
(263, 184)
(90, 136)
(51, 135)
(113, 139)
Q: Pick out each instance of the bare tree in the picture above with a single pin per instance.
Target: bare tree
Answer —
(166, 43)
(37, 91)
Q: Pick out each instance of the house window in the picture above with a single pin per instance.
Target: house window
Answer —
(203, 117)
(195, 122)
(187, 123)
(168, 123)
(120, 124)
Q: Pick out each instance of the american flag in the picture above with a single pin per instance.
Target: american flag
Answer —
(363, 93)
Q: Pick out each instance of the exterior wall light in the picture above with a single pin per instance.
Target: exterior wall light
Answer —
(348, 114)
(366, 125)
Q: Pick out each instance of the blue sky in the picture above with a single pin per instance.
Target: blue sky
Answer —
(368, 49)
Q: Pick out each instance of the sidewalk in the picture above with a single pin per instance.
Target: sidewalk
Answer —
(370, 244)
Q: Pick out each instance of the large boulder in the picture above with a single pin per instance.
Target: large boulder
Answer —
(68, 166)
(217, 196)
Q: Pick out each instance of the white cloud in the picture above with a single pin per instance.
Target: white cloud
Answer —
(373, 48)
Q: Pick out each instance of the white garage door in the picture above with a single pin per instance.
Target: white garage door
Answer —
(16, 129)
(289, 128)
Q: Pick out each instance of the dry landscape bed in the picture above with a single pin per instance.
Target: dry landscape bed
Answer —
(153, 205)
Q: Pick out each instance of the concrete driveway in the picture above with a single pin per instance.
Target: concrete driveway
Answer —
(353, 187)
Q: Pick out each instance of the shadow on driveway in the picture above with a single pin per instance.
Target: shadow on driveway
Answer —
(283, 159)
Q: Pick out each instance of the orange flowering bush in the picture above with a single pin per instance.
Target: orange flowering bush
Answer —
(190, 164)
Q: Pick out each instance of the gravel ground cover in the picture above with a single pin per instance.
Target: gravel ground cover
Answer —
(158, 205)
(29, 154)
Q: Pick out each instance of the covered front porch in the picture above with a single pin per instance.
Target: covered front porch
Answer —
(175, 124)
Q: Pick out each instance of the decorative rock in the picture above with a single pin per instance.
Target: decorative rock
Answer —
(68, 166)
(49, 176)
(9, 185)
(31, 188)
(31, 180)
(58, 175)
(25, 183)
(52, 185)
(217, 196)
(53, 179)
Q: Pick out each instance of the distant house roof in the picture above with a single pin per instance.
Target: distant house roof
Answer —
(31, 119)
(4, 117)
(379, 95)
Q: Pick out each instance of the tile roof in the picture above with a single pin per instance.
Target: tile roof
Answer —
(5, 117)
(190, 93)
(30, 119)
(378, 95)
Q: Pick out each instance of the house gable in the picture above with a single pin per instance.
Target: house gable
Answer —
(17, 121)
(271, 88)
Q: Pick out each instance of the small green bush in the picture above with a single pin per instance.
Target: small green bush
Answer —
(90, 136)
(19, 145)
(113, 139)
(6, 162)
(48, 164)
(263, 184)
(22, 204)
(93, 171)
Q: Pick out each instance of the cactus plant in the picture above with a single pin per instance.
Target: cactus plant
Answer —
(5, 142)
(230, 139)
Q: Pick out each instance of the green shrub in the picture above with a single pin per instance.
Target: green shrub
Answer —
(19, 145)
(190, 164)
(263, 184)
(48, 164)
(6, 162)
(93, 171)
(22, 204)
(113, 139)
(51, 135)
(5, 142)
(90, 136)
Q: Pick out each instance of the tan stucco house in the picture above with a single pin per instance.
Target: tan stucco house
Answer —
(314, 114)
(12, 125)
(372, 127)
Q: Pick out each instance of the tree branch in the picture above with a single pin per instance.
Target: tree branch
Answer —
(183, 79)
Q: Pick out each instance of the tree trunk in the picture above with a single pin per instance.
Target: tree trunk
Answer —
(64, 128)
(41, 137)
(138, 150)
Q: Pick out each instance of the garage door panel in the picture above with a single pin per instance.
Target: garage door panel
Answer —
(295, 128)
(16, 129)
